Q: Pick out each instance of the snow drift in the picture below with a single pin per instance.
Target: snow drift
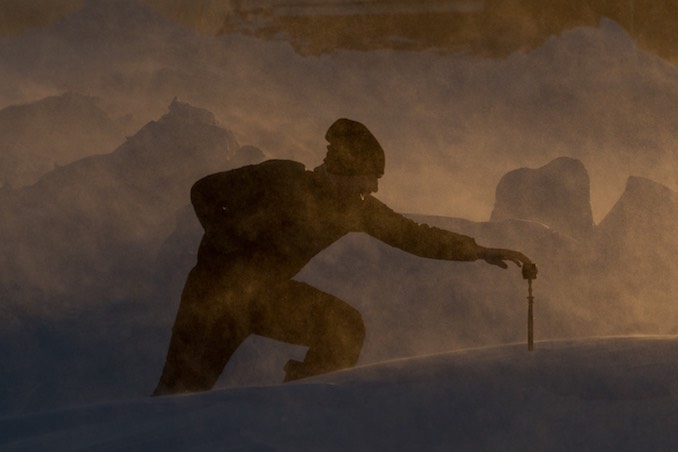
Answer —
(616, 394)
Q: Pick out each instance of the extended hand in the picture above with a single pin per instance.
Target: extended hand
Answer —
(497, 256)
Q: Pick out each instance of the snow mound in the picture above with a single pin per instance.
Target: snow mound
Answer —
(594, 394)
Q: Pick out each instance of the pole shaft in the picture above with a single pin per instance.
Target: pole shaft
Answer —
(530, 317)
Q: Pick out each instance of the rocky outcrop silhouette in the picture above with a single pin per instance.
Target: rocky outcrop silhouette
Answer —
(646, 211)
(637, 239)
(56, 130)
(557, 195)
(92, 227)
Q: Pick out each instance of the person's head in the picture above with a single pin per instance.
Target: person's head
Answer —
(354, 154)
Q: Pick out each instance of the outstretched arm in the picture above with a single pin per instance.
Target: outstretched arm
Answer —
(497, 256)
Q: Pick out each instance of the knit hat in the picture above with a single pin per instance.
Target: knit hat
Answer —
(354, 151)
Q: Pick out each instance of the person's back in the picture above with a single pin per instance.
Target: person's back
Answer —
(241, 209)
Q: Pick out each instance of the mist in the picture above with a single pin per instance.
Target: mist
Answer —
(449, 122)
(99, 235)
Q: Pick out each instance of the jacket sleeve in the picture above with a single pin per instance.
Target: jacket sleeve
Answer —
(421, 240)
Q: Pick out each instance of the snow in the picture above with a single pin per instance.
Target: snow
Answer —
(77, 379)
(614, 393)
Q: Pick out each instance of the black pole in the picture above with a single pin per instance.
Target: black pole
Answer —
(530, 317)
(530, 273)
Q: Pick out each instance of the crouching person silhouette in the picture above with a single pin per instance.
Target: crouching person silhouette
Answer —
(263, 223)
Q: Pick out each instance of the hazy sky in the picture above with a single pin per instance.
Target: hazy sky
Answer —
(484, 91)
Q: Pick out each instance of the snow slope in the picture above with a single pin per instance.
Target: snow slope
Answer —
(616, 394)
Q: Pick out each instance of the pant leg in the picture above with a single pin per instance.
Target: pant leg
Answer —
(210, 325)
(297, 313)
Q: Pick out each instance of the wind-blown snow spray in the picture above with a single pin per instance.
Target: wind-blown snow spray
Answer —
(530, 273)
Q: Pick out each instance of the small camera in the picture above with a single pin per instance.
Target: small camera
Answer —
(529, 271)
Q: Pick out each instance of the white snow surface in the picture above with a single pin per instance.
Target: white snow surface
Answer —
(614, 393)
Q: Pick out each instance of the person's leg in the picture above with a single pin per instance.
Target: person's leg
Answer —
(297, 313)
(207, 331)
